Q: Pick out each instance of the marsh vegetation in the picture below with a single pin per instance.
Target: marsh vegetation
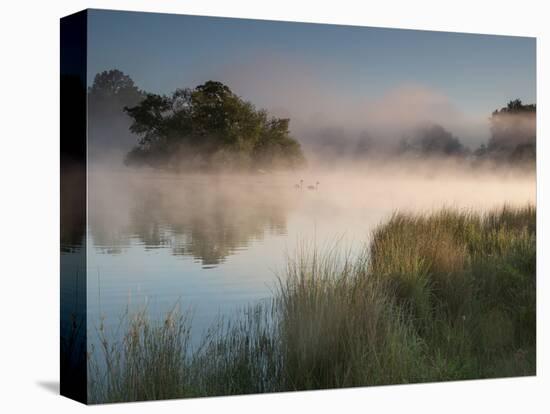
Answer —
(432, 293)
(269, 206)
(446, 295)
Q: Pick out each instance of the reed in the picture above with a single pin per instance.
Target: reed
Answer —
(441, 296)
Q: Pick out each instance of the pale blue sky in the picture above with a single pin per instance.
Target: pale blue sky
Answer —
(161, 52)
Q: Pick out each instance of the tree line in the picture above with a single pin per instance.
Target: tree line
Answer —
(209, 127)
(512, 138)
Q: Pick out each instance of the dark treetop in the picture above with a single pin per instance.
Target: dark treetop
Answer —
(209, 128)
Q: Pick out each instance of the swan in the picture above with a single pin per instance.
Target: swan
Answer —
(313, 187)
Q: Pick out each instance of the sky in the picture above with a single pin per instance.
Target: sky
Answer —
(312, 72)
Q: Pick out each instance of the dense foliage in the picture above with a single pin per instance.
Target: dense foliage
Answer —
(209, 127)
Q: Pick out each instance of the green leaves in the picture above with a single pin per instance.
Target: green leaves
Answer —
(209, 127)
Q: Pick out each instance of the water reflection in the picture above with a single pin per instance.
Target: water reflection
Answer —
(207, 218)
(73, 208)
(151, 236)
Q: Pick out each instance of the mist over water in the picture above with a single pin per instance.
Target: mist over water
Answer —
(216, 242)
(210, 170)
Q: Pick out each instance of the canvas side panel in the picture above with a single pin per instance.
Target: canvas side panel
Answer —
(73, 382)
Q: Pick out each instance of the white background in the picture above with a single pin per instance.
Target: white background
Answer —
(29, 200)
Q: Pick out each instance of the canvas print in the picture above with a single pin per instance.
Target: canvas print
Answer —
(255, 206)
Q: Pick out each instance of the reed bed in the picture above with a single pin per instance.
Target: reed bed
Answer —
(447, 295)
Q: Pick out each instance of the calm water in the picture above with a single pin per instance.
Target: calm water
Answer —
(216, 244)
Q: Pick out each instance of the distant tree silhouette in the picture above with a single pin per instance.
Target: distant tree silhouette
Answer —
(516, 107)
(511, 126)
(432, 140)
(513, 134)
(110, 92)
(209, 127)
(114, 85)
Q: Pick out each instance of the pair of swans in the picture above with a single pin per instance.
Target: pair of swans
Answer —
(309, 187)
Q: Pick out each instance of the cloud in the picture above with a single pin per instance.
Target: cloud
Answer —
(294, 88)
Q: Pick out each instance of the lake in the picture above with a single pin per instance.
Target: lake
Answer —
(212, 245)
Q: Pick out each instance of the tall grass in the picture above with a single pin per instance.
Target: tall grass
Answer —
(442, 296)
(467, 282)
(149, 361)
(338, 326)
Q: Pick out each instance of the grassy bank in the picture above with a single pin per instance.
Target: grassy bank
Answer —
(442, 296)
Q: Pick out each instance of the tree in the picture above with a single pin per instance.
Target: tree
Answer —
(511, 126)
(513, 135)
(433, 140)
(276, 148)
(114, 85)
(516, 107)
(209, 127)
(110, 92)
